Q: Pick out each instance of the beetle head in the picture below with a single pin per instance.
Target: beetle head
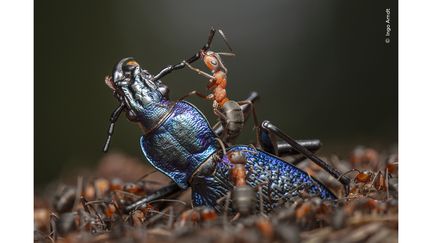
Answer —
(122, 73)
(125, 70)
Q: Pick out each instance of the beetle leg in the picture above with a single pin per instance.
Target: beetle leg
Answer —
(168, 70)
(204, 48)
(301, 149)
(166, 191)
(269, 143)
(114, 116)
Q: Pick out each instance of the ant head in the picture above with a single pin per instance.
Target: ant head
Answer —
(364, 176)
(212, 60)
(236, 157)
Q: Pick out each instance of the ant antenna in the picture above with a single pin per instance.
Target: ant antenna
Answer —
(229, 54)
(114, 116)
(225, 40)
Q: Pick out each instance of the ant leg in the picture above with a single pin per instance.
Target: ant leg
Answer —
(261, 200)
(225, 39)
(222, 145)
(161, 193)
(222, 133)
(53, 226)
(170, 222)
(386, 183)
(206, 97)
(253, 97)
(226, 207)
(78, 192)
(218, 128)
(255, 118)
(199, 71)
(219, 114)
(301, 149)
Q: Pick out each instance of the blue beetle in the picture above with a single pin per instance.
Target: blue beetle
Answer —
(179, 142)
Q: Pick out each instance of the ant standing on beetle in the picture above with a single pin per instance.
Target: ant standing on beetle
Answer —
(229, 112)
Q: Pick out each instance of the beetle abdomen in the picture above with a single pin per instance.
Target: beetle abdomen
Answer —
(279, 180)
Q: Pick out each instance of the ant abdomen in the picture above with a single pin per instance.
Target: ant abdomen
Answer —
(232, 120)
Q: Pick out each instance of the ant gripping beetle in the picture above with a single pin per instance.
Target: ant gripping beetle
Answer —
(228, 111)
(179, 142)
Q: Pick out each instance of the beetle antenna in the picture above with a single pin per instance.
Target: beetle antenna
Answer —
(192, 59)
(114, 116)
(204, 48)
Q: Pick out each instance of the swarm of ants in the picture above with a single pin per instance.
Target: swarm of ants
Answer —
(92, 208)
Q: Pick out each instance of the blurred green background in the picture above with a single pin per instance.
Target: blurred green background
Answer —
(322, 69)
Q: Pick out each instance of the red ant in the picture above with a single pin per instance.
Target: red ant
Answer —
(217, 83)
(243, 195)
(230, 113)
(377, 180)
